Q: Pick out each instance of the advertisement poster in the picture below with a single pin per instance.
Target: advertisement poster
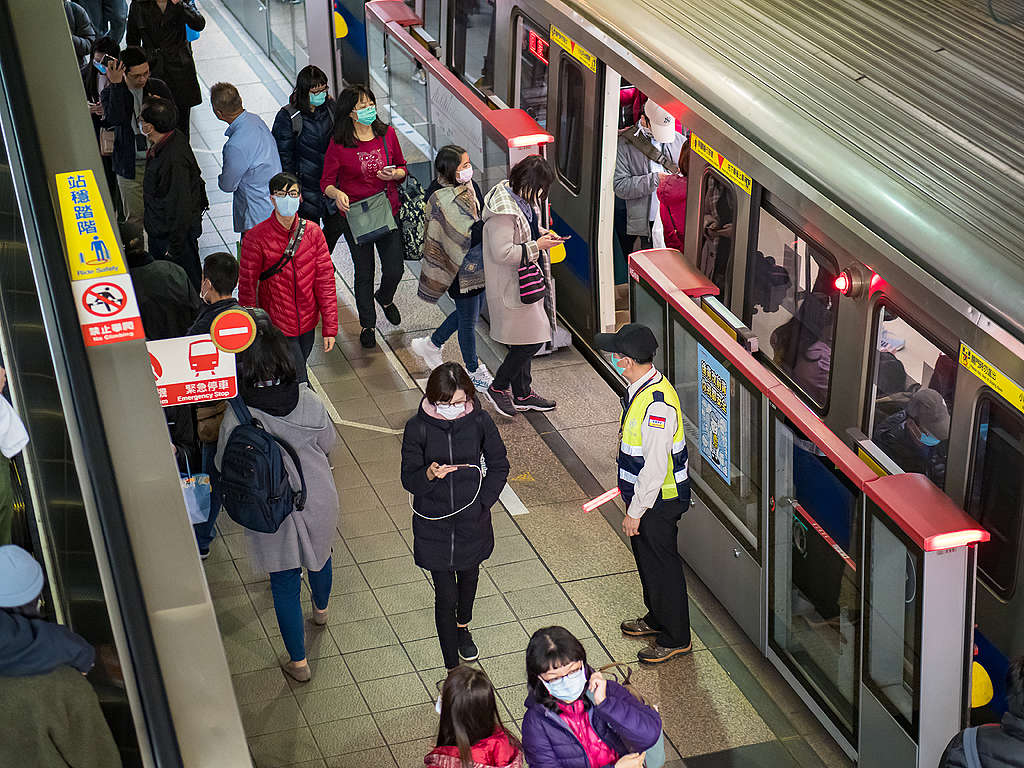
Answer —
(713, 380)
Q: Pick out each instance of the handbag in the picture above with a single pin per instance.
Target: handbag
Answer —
(623, 675)
(106, 142)
(289, 251)
(532, 287)
(412, 217)
(196, 490)
(371, 218)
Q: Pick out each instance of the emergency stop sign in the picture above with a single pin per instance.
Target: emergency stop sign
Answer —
(233, 330)
(190, 369)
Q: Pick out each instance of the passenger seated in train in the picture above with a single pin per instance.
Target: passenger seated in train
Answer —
(915, 437)
(803, 346)
(943, 378)
(668, 229)
(999, 746)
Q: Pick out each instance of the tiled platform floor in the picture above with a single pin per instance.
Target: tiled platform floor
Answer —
(370, 703)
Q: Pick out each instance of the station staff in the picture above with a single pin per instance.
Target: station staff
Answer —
(654, 483)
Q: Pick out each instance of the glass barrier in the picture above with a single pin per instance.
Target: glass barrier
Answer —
(722, 417)
(814, 600)
(893, 629)
(649, 309)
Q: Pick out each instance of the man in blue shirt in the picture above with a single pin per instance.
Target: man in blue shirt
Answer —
(250, 158)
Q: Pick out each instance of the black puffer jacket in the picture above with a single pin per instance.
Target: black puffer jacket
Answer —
(83, 35)
(998, 747)
(303, 153)
(464, 540)
(174, 193)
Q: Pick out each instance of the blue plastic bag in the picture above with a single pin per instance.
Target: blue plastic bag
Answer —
(196, 491)
(190, 34)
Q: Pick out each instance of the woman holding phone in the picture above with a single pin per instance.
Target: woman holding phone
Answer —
(452, 495)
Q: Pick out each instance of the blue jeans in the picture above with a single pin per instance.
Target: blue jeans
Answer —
(285, 586)
(463, 319)
(206, 532)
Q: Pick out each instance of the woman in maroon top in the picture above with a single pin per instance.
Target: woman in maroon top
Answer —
(362, 159)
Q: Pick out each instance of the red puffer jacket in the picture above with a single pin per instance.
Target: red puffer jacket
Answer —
(300, 293)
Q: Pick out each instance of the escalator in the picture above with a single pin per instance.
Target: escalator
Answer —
(97, 499)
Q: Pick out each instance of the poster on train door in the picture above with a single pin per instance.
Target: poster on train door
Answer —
(713, 384)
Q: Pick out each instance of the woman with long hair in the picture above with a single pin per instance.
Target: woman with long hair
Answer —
(295, 414)
(363, 160)
(303, 129)
(471, 734)
(575, 718)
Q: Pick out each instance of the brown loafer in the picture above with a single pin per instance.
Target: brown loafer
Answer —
(637, 628)
(657, 654)
(298, 674)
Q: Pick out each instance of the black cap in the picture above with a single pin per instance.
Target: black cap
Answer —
(632, 340)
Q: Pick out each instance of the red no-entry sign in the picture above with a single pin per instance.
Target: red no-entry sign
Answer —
(233, 330)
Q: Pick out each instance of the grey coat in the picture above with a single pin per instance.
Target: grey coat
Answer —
(634, 182)
(306, 536)
(506, 238)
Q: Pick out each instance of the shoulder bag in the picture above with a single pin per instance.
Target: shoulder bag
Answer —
(289, 251)
(532, 286)
(622, 674)
(371, 218)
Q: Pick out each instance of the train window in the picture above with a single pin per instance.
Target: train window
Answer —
(473, 42)
(717, 228)
(912, 397)
(571, 93)
(432, 18)
(791, 305)
(995, 493)
(532, 91)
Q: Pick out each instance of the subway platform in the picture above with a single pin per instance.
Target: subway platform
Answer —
(376, 664)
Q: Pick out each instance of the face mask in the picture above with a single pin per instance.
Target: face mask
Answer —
(203, 292)
(317, 99)
(287, 206)
(568, 688)
(618, 366)
(366, 115)
(465, 175)
(929, 440)
(450, 411)
(100, 67)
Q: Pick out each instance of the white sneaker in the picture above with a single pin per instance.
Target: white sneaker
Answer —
(481, 377)
(425, 350)
(420, 77)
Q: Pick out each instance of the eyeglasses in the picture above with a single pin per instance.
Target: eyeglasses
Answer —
(291, 193)
(575, 667)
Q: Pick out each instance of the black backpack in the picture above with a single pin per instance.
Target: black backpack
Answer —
(254, 481)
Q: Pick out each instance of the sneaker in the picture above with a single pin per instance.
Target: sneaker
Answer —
(420, 77)
(658, 654)
(425, 350)
(203, 554)
(481, 377)
(501, 400)
(368, 338)
(390, 311)
(467, 648)
(534, 402)
(637, 628)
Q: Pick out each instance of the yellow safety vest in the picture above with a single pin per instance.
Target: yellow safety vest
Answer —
(631, 458)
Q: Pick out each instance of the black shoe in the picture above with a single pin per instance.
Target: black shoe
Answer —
(533, 402)
(637, 628)
(467, 648)
(368, 338)
(502, 401)
(658, 654)
(203, 554)
(390, 311)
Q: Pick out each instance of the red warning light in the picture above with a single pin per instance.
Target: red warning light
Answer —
(843, 283)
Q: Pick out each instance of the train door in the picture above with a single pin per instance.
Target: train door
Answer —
(573, 110)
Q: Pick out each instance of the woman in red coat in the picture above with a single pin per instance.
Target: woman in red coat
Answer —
(669, 228)
(362, 160)
(296, 292)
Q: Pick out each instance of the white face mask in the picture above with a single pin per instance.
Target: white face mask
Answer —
(465, 175)
(450, 411)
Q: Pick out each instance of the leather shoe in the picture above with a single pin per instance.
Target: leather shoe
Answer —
(658, 654)
(637, 628)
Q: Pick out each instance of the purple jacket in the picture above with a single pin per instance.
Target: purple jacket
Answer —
(621, 721)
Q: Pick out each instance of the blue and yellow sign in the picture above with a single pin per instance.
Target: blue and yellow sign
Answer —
(1007, 388)
(92, 248)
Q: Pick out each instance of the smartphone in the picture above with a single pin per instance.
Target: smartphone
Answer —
(108, 60)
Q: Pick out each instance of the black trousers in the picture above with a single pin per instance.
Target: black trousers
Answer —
(454, 593)
(515, 369)
(392, 265)
(661, 573)
(188, 259)
(301, 347)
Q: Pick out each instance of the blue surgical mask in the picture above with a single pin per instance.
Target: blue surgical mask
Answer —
(287, 206)
(367, 115)
(568, 688)
(930, 440)
(317, 99)
(100, 67)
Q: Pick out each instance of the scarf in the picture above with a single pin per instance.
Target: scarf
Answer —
(451, 214)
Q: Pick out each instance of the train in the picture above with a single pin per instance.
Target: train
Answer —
(856, 172)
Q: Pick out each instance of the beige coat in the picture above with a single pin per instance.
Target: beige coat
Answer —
(506, 236)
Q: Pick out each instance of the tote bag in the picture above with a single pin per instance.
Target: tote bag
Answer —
(196, 490)
(622, 674)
